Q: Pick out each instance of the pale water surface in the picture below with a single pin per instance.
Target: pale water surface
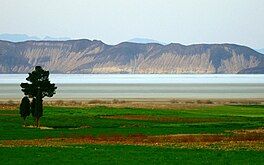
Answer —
(82, 86)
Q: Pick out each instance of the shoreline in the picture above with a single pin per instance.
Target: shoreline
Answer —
(142, 99)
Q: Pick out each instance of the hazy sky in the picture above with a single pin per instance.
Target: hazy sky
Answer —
(113, 21)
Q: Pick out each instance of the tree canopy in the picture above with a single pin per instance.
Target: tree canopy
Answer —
(39, 79)
(38, 88)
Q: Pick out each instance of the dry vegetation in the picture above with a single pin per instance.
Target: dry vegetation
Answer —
(162, 119)
(141, 103)
(155, 103)
(238, 140)
(9, 105)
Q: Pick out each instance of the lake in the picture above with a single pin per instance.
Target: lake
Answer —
(83, 86)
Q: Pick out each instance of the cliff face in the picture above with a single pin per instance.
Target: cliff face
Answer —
(85, 56)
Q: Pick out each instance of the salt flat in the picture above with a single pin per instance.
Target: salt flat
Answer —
(87, 86)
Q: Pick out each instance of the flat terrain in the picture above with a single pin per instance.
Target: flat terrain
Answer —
(111, 134)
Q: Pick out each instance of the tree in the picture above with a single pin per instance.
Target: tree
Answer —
(24, 108)
(38, 88)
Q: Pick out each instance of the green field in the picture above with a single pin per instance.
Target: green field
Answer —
(106, 135)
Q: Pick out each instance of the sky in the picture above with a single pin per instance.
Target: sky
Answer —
(114, 21)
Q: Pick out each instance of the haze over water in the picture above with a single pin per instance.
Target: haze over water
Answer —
(92, 86)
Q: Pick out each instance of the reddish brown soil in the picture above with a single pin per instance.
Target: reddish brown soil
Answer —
(248, 140)
(8, 107)
(162, 119)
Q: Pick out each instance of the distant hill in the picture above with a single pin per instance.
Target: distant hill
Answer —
(260, 50)
(145, 41)
(17, 37)
(48, 38)
(24, 37)
(86, 56)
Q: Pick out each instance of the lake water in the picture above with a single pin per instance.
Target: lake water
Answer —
(82, 86)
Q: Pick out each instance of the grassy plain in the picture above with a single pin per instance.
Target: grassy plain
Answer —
(222, 134)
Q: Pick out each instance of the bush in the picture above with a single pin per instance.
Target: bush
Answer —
(24, 108)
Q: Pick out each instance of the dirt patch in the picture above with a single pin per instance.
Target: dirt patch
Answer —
(223, 145)
(178, 140)
(161, 119)
(41, 127)
(8, 107)
(250, 131)
(82, 127)
(56, 127)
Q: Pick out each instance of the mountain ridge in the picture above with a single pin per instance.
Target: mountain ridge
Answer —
(25, 37)
(145, 41)
(94, 56)
(260, 51)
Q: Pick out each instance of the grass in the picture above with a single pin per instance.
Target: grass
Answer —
(125, 154)
(141, 125)
(63, 119)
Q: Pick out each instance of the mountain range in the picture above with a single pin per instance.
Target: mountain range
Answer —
(87, 56)
(24, 37)
(145, 41)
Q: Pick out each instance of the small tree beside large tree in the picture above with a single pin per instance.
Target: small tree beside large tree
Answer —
(24, 108)
(38, 88)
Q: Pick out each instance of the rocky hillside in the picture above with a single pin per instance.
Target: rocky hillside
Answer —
(85, 56)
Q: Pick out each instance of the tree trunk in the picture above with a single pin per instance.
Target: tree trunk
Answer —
(37, 122)
(24, 121)
(39, 107)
